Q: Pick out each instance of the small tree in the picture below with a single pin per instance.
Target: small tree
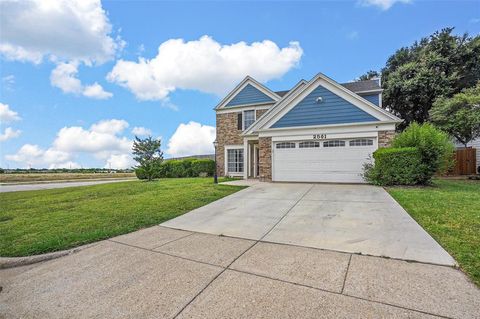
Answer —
(460, 115)
(149, 157)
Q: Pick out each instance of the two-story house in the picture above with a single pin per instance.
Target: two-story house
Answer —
(319, 131)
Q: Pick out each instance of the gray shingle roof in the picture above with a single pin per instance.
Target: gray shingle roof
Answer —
(360, 86)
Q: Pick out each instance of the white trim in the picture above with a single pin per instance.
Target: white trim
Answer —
(332, 136)
(235, 109)
(233, 147)
(368, 91)
(340, 128)
(247, 80)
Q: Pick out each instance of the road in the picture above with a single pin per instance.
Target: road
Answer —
(29, 187)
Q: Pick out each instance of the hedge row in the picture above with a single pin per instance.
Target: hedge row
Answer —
(182, 168)
(396, 166)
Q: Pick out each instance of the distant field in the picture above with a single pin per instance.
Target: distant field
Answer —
(41, 177)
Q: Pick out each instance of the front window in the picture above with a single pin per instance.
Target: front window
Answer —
(248, 118)
(235, 160)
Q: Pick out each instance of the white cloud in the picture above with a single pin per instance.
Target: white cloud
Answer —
(7, 115)
(102, 140)
(141, 131)
(382, 4)
(96, 91)
(8, 81)
(120, 161)
(191, 139)
(64, 76)
(9, 133)
(353, 35)
(203, 65)
(58, 29)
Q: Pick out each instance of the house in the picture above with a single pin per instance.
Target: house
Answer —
(319, 131)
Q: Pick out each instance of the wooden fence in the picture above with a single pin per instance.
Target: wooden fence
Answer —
(465, 162)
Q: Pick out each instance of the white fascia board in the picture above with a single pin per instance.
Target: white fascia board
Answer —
(240, 108)
(369, 91)
(330, 129)
(275, 108)
(248, 80)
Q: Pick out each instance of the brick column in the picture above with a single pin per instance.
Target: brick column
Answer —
(385, 138)
(265, 158)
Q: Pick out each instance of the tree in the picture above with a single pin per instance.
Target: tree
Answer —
(438, 66)
(149, 157)
(460, 115)
(369, 75)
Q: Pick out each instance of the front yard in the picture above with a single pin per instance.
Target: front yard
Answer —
(450, 212)
(36, 222)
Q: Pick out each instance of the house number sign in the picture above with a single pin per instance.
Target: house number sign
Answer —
(319, 136)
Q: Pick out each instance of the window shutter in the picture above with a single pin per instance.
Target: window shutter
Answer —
(239, 121)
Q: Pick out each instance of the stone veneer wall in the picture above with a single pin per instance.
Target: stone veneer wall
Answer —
(265, 161)
(385, 138)
(227, 134)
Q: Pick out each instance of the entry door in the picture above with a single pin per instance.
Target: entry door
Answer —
(334, 161)
(256, 160)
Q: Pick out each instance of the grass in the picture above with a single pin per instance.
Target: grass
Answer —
(35, 222)
(450, 211)
(43, 177)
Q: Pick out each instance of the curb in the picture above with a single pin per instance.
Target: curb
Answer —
(11, 262)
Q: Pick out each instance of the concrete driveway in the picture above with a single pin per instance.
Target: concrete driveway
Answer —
(348, 218)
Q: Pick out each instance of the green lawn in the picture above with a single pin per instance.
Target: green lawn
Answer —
(450, 212)
(35, 222)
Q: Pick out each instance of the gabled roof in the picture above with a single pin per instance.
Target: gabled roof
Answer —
(302, 88)
(363, 86)
(248, 81)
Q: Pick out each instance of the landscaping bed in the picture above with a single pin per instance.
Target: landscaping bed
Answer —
(36, 222)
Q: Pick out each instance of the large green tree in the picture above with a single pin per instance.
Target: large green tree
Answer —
(459, 115)
(437, 66)
(149, 157)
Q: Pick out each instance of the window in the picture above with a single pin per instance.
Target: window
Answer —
(308, 144)
(334, 143)
(285, 145)
(248, 118)
(235, 160)
(361, 142)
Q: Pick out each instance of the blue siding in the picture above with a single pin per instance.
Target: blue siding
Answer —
(332, 110)
(249, 95)
(374, 98)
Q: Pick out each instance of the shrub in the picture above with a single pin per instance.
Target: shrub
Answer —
(435, 147)
(203, 167)
(188, 168)
(396, 166)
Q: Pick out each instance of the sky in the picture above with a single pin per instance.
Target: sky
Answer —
(79, 79)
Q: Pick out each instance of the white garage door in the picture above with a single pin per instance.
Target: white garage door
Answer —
(337, 161)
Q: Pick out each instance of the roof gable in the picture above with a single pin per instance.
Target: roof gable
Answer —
(284, 105)
(251, 92)
(249, 95)
(332, 109)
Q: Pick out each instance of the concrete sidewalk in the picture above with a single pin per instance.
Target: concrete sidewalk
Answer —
(165, 273)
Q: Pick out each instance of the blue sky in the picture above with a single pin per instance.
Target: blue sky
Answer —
(53, 114)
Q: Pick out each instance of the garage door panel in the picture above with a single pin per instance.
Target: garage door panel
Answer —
(322, 164)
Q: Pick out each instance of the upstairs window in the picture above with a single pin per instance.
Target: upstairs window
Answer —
(308, 144)
(248, 118)
(285, 145)
(334, 143)
(361, 142)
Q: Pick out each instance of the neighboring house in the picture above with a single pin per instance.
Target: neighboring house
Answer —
(475, 144)
(319, 131)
